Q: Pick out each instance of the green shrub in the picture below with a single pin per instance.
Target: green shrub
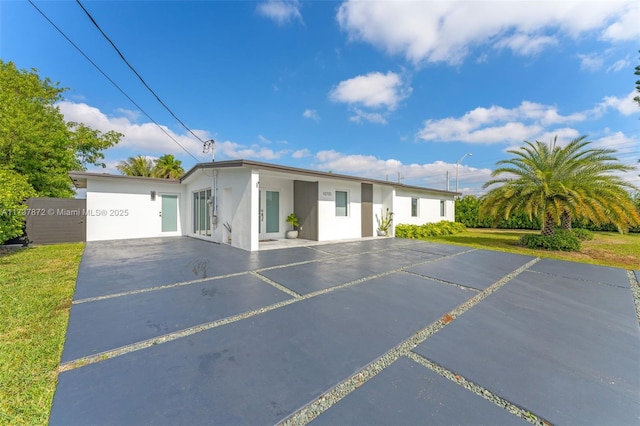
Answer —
(429, 230)
(14, 190)
(583, 234)
(561, 240)
(468, 213)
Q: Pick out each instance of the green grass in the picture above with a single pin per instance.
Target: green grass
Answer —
(607, 248)
(36, 288)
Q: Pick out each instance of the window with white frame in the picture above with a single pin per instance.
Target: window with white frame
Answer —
(443, 209)
(342, 203)
(414, 207)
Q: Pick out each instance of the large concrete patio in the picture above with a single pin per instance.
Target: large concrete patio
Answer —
(384, 331)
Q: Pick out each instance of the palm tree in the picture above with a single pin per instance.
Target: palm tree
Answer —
(168, 167)
(555, 184)
(136, 166)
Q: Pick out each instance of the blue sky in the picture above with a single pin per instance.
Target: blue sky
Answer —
(364, 88)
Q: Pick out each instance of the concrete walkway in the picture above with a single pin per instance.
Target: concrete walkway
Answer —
(384, 331)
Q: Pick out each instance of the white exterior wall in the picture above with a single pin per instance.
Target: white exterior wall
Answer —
(233, 196)
(330, 226)
(237, 193)
(428, 208)
(122, 208)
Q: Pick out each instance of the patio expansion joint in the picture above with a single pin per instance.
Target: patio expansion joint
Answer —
(102, 356)
(438, 280)
(156, 288)
(234, 274)
(316, 407)
(478, 390)
(275, 284)
(579, 279)
(635, 292)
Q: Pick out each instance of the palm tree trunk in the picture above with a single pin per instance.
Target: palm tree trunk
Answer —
(549, 225)
(566, 220)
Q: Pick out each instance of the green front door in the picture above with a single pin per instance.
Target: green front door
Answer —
(169, 213)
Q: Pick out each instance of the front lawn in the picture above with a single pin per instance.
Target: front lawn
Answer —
(607, 248)
(36, 289)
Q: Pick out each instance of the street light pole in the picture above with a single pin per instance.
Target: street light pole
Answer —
(458, 165)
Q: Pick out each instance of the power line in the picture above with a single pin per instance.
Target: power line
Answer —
(136, 72)
(112, 82)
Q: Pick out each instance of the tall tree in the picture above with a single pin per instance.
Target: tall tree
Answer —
(35, 140)
(554, 184)
(168, 167)
(136, 166)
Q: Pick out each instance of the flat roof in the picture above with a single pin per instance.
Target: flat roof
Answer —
(80, 178)
(306, 172)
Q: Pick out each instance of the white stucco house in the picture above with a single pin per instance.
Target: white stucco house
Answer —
(254, 199)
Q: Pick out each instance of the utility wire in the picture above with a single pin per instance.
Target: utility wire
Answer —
(112, 82)
(136, 72)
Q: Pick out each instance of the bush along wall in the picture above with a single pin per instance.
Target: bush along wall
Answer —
(468, 207)
(417, 232)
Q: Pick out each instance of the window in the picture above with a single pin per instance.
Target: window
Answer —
(414, 207)
(342, 201)
(442, 208)
(202, 204)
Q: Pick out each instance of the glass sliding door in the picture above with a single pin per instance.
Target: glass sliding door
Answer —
(202, 203)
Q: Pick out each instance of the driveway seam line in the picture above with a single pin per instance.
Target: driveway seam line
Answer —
(133, 347)
(199, 280)
(635, 292)
(478, 390)
(578, 279)
(438, 280)
(155, 288)
(278, 286)
(319, 405)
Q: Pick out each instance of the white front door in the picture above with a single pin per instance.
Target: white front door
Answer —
(269, 214)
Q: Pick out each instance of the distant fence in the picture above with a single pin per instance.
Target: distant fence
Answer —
(56, 220)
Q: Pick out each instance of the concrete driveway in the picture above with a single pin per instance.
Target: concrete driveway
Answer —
(179, 331)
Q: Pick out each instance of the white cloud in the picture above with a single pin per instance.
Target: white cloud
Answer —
(371, 117)
(625, 106)
(311, 114)
(590, 62)
(281, 11)
(137, 136)
(235, 150)
(149, 139)
(627, 26)
(498, 124)
(445, 31)
(432, 175)
(619, 65)
(301, 153)
(264, 139)
(373, 90)
(525, 44)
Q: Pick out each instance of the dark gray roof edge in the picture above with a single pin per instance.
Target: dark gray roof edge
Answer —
(80, 175)
(307, 172)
